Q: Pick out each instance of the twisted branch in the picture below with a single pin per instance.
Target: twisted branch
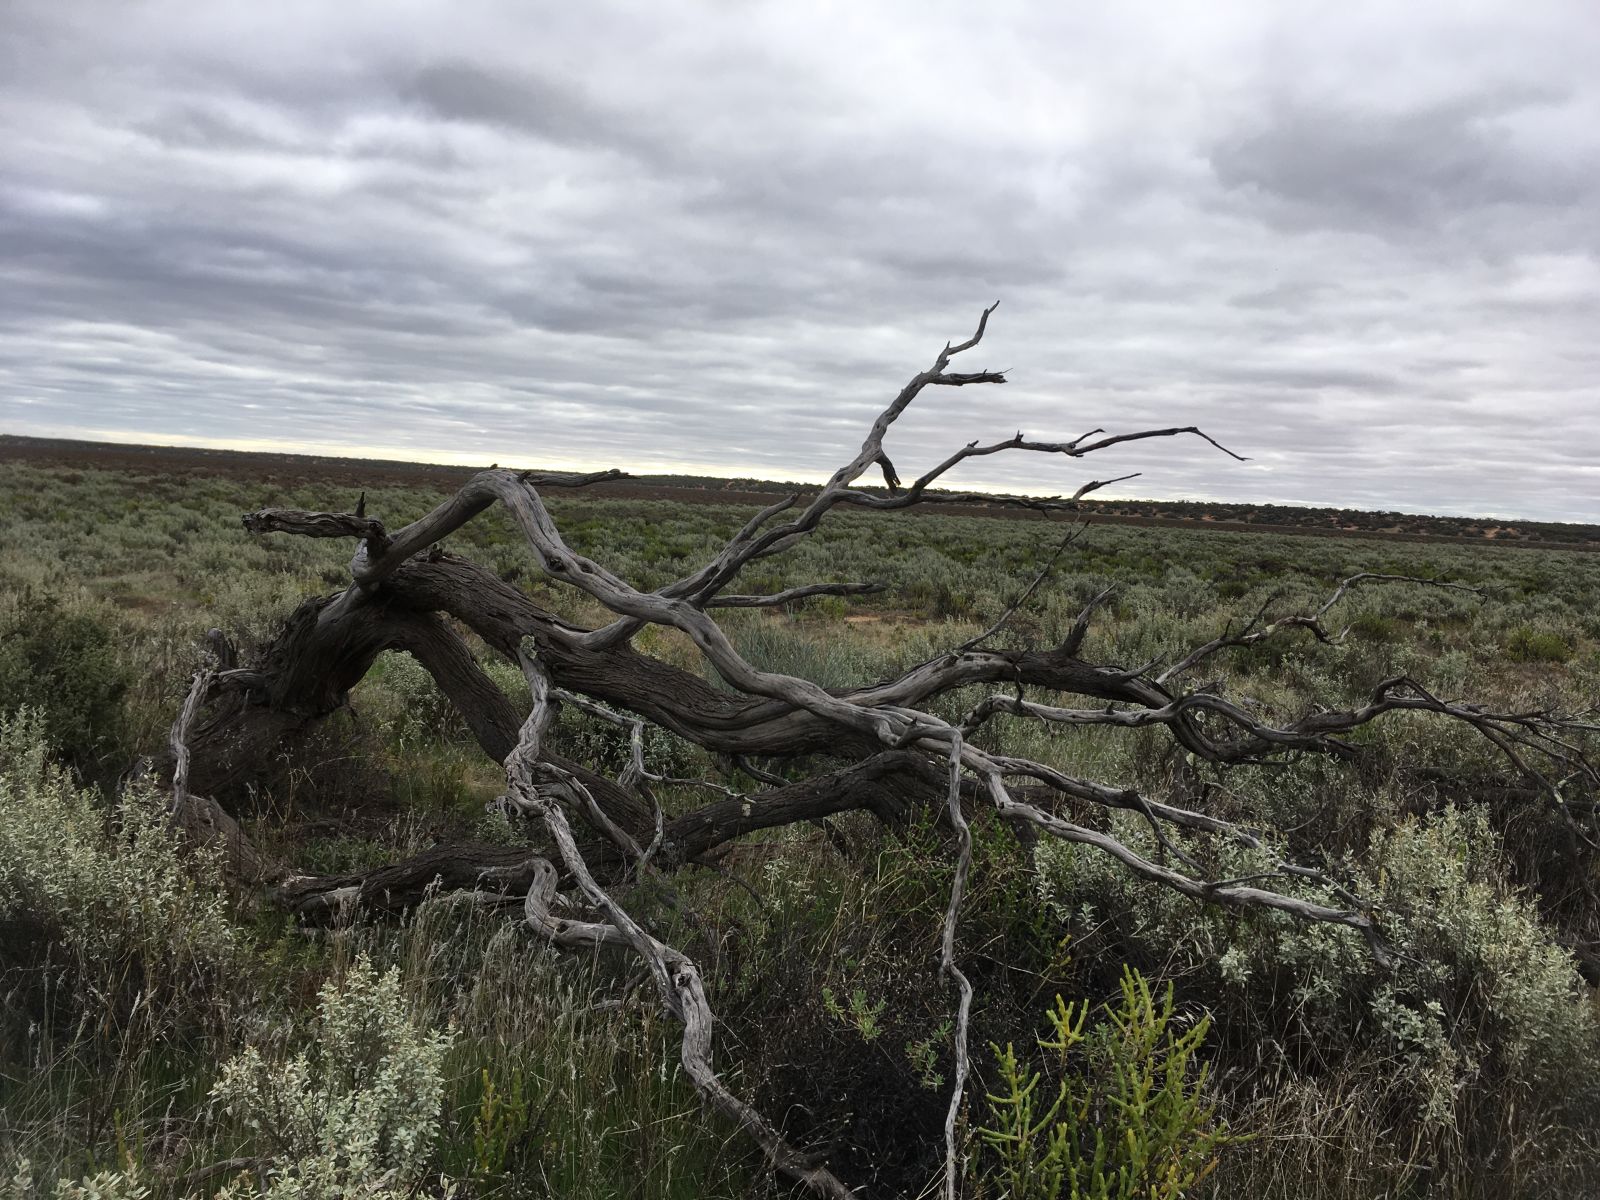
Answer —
(885, 730)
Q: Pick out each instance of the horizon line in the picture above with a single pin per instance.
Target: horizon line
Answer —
(643, 470)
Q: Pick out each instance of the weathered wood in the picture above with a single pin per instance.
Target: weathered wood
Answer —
(880, 748)
(890, 785)
(468, 866)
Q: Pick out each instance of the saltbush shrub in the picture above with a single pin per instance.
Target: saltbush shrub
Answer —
(103, 1185)
(1478, 998)
(355, 1115)
(108, 890)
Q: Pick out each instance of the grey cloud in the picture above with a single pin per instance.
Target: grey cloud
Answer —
(1395, 173)
(1288, 294)
(1314, 378)
(694, 235)
(461, 91)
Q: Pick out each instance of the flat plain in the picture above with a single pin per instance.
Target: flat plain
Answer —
(1467, 1068)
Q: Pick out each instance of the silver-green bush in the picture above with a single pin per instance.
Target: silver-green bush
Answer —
(108, 890)
(1478, 996)
(357, 1113)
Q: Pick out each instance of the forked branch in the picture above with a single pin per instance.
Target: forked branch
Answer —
(897, 751)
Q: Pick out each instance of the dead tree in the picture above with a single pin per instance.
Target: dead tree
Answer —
(882, 749)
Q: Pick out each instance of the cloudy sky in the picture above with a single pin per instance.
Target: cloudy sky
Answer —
(1357, 242)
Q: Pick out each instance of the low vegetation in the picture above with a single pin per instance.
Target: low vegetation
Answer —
(164, 1033)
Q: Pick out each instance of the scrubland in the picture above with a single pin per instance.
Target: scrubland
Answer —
(163, 1034)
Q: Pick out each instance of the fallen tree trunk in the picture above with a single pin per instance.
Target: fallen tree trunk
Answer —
(879, 748)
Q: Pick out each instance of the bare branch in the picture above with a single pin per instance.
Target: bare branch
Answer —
(179, 737)
(1077, 448)
(1027, 593)
(570, 479)
(1080, 627)
(743, 549)
(315, 524)
(898, 753)
(1255, 632)
(1238, 895)
(380, 554)
(677, 978)
(948, 967)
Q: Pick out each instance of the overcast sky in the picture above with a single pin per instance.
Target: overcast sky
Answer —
(1359, 243)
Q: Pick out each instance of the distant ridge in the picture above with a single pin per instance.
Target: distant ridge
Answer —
(1210, 515)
